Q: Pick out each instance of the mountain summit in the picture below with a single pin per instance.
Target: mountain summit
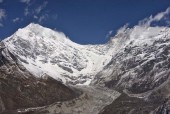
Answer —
(44, 51)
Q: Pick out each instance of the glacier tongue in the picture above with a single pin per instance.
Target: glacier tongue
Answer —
(44, 51)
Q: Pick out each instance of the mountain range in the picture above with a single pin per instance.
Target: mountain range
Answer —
(43, 72)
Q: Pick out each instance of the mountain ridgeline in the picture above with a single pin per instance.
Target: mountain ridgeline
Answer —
(43, 72)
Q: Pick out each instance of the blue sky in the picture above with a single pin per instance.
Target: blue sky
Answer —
(83, 21)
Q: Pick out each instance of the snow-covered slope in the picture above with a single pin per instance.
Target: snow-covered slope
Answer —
(141, 60)
(44, 51)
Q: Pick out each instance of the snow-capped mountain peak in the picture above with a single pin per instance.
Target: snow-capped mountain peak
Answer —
(45, 51)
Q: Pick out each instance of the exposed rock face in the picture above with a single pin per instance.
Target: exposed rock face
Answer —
(20, 89)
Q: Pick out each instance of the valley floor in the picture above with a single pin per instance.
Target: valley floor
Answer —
(92, 101)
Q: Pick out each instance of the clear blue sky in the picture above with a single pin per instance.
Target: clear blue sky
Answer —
(83, 21)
